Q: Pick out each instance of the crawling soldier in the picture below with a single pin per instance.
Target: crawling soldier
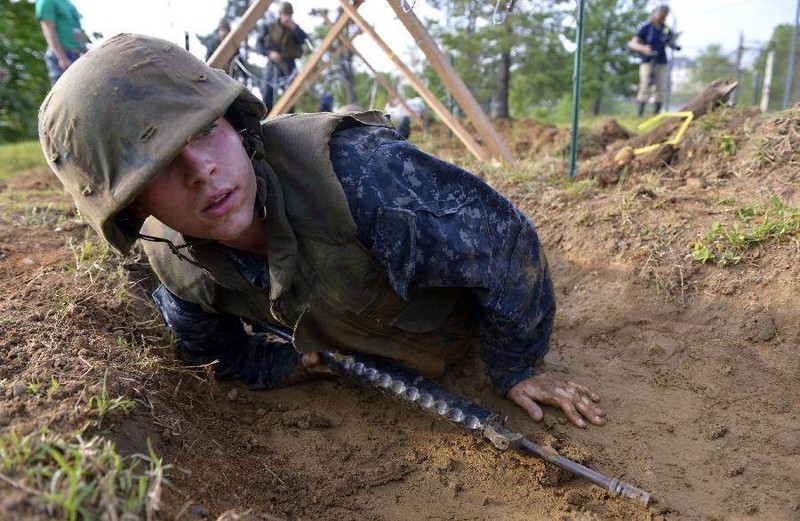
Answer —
(328, 224)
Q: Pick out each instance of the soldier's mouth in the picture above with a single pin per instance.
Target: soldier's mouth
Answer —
(219, 203)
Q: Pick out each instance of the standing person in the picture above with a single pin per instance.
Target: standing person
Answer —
(282, 43)
(61, 26)
(651, 42)
(327, 224)
(214, 41)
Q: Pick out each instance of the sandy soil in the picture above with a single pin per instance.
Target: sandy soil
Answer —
(697, 364)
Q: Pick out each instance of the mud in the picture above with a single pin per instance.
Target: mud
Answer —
(697, 364)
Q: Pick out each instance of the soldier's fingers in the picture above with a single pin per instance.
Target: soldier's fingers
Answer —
(595, 415)
(528, 403)
(584, 390)
(571, 413)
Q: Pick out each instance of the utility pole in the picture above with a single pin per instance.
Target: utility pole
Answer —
(739, 56)
(768, 76)
(787, 89)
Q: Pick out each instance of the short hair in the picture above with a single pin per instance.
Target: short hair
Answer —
(662, 8)
(286, 8)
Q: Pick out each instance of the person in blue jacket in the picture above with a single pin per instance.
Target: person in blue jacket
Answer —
(651, 41)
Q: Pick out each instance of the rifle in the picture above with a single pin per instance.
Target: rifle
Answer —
(412, 389)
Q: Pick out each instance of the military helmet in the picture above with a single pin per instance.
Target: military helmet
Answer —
(123, 112)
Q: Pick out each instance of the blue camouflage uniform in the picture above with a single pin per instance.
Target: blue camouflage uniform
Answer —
(486, 246)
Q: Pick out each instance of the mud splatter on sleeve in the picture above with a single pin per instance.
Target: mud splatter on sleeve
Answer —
(450, 229)
(202, 338)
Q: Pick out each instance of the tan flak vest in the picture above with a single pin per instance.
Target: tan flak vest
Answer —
(282, 38)
(323, 283)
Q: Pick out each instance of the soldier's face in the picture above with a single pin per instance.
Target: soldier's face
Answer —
(207, 191)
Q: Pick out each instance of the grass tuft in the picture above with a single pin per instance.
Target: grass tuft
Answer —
(770, 220)
(74, 478)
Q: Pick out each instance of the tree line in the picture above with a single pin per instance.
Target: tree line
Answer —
(517, 57)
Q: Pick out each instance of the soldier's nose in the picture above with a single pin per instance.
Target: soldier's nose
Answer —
(196, 164)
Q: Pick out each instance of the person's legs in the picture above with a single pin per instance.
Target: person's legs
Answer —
(268, 81)
(644, 86)
(661, 72)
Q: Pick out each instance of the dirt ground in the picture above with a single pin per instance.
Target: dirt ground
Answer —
(697, 363)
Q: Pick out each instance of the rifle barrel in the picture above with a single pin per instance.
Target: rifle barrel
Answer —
(412, 389)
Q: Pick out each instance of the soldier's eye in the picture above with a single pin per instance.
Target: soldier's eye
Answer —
(208, 130)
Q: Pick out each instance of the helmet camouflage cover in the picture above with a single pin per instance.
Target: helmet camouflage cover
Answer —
(120, 114)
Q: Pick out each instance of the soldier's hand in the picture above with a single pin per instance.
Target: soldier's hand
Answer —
(314, 364)
(577, 402)
(275, 56)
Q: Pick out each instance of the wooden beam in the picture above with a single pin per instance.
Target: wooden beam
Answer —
(315, 74)
(283, 103)
(227, 48)
(454, 83)
(452, 123)
(386, 85)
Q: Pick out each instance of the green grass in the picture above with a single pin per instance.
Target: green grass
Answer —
(75, 478)
(103, 404)
(16, 158)
(769, 220)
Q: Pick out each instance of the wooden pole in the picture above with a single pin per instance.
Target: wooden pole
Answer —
(283, 102)
(227, 48)
(386, 85)
(448, 119)
(454, 83)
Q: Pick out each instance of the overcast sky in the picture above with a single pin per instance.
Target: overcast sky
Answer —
(701, 22)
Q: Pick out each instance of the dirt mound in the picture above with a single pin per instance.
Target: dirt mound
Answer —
(678, 296)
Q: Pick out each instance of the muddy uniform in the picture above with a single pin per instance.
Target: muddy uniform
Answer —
(482, 244)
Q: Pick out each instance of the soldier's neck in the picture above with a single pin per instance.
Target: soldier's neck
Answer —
(252, 240)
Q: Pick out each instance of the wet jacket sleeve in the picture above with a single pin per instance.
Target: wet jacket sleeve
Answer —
(203, 338)
(431, 224)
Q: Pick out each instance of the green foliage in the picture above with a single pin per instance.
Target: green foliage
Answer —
(609, 68)
(771, 220)
(526, 49)
(711, 64)
(23, 81)
(533, 46)
(752, 79)
(74, 478)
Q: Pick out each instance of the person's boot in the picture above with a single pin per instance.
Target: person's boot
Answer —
(656, 107)
(641, 109)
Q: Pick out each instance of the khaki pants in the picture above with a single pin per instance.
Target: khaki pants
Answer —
(659, 72)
